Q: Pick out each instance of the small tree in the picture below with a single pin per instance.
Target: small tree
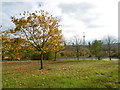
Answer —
(56, 45)
(6, 47)
(96, 48)
(85, 52)
(13, 47)
(77, 46)
(109, 40)
(39, 28)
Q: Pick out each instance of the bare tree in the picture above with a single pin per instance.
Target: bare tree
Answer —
(77, 45)
(109, 40)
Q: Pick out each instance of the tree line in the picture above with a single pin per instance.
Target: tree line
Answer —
(108, 47)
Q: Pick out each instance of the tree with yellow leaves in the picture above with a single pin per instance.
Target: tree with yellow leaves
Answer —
(39, 28)
(56, 45)
(13, 48)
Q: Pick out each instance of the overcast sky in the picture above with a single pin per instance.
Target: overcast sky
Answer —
(97, 18)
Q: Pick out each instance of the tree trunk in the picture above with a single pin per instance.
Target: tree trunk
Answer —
(99, 58)
(110, 58)
(41, 61)
(77, 53)
(109, 51)
(77, 57)
(55, 55)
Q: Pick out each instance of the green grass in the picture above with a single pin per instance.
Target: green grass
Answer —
(60, 74)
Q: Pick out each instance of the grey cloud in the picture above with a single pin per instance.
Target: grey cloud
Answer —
(80, 7)
(94, 26)
(81, 11)
(69, 30)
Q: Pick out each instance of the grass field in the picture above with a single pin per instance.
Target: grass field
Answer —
(60, 74)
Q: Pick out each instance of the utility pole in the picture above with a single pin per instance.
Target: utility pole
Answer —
(83, 45)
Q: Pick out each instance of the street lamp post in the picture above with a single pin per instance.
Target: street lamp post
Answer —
(83, 45)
